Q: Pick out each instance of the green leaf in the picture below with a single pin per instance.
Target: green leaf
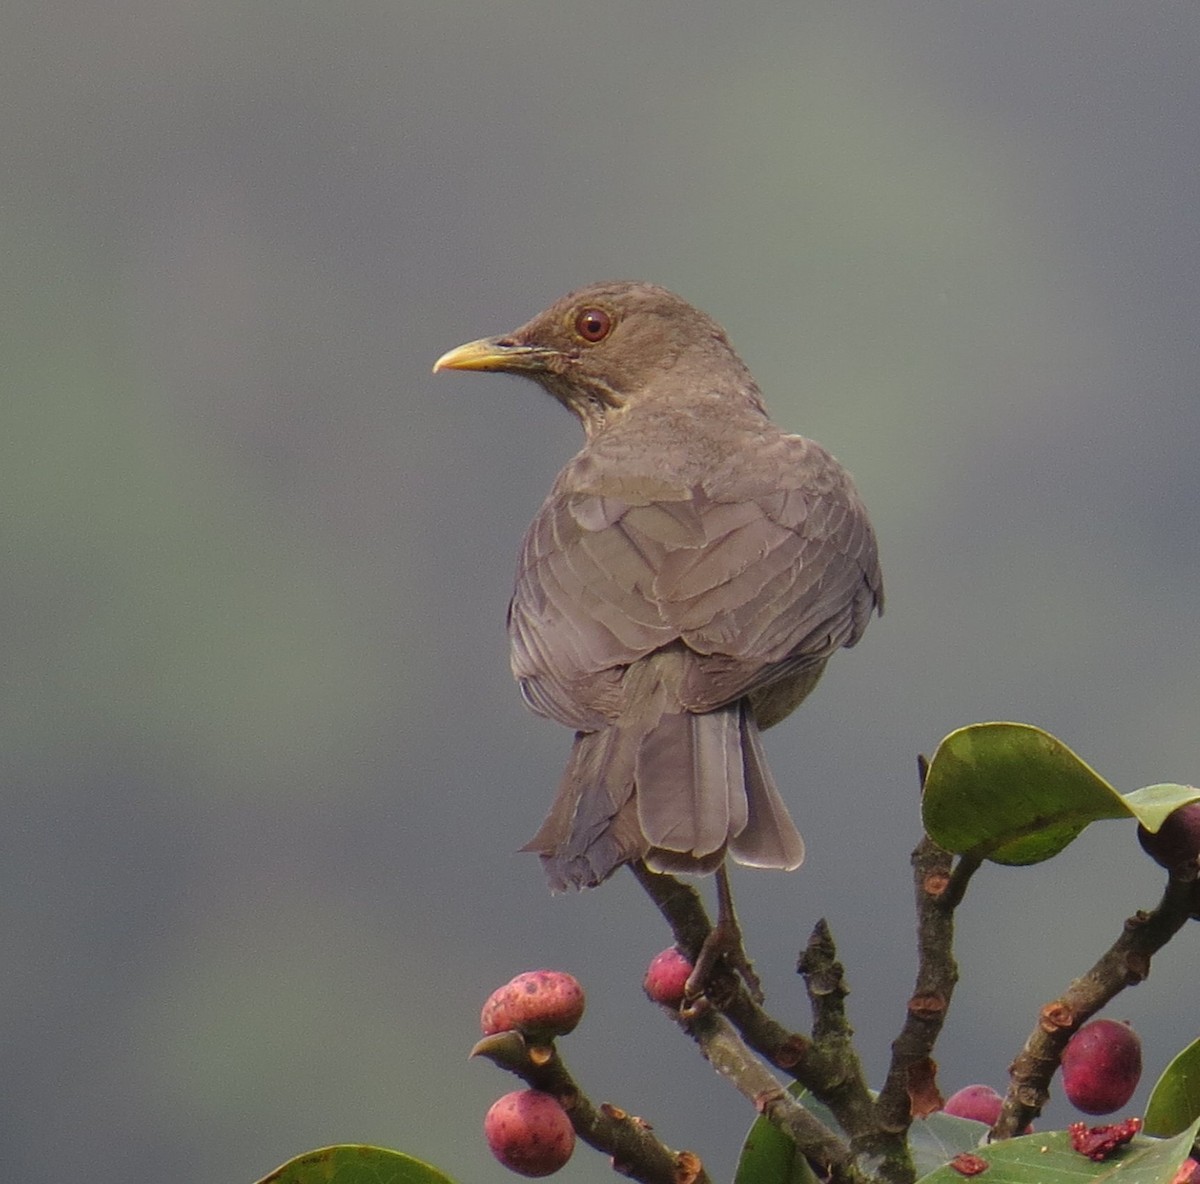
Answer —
(1175, 1100)
(1012, 793)
(937, 1139)
(1151, 805)
(1050, 1159)
(354, 1164)
(770, 1157)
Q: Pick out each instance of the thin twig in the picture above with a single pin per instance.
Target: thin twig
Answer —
(635, 1150)
(680, 904)
(833, 1070)
(729, 1056)
(960, 878)
(684, 911)
(1124, 964)
(910, 1088)
(826, 1065)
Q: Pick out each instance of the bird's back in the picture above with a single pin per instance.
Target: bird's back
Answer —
(692, 524)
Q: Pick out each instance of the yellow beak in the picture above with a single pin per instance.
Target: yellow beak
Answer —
(491, 353)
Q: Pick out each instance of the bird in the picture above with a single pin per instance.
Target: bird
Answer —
(679, 591)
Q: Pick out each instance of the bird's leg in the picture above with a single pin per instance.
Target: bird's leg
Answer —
(723, 941)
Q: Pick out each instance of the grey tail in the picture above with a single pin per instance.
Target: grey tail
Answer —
(675, 788)
(590, 831)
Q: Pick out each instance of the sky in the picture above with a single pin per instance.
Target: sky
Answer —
(266, 772)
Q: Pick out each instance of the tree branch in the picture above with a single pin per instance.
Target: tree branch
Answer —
(1125, 964)
(729, 1056)
(827, 1065)
(832, 1069)
(681, 906)
(635, 1150)
(910, 1088)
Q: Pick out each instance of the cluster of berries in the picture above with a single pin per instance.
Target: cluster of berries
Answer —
(529, 1130)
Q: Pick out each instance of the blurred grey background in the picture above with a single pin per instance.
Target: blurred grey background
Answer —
(264, 771)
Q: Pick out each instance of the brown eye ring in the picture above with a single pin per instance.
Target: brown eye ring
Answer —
(593, 324)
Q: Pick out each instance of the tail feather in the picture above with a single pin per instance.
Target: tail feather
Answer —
(592, 825)
(770, 838)
(691, 794)
(670, 786)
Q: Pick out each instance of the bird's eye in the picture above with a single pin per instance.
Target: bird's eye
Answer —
(593, 324)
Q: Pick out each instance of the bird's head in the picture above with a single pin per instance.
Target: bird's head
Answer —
(608, 346)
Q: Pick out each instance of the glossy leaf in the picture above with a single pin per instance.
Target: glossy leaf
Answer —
(770, 1157)
(940, 1137)
(1152, 804)
(355, 1164)
(1015, 794)
(1175, 1100)
(1040, 1158)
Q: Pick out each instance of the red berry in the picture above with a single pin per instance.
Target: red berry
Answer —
(541, 1003)
(1101, 1066)
(666, 977)
(1189, 1172)
(1177, 841)
(980, 1102)
(494, 1016)
(529, 1132)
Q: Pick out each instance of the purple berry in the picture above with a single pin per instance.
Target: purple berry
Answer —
(980, 1102)
(1101, 1066)
(666, 977)
(1189, 1172)
(529, 1132)
(540, 1003)
(1177, 841)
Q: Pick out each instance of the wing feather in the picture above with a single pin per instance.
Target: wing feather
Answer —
(761, 576)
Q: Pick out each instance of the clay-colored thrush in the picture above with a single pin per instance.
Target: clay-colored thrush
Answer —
(681, 588)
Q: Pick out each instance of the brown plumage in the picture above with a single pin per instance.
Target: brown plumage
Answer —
(681, 588)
